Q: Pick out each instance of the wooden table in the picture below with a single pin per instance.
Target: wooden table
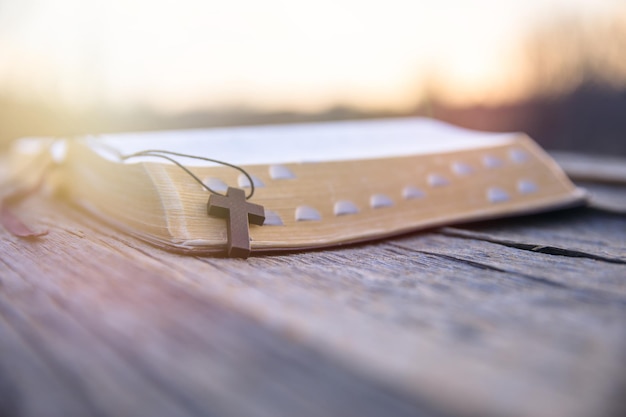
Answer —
(515, 317)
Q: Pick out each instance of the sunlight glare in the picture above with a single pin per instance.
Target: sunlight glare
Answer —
(306, 56)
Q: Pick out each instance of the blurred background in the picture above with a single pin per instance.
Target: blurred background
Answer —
(555, 69)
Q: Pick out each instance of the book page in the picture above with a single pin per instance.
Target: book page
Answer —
(310, 142)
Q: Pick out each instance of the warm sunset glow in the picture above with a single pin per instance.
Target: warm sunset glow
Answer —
(306, 56)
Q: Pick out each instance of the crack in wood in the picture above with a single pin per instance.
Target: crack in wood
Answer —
(589, 294)
(483, 266)
(546, 249)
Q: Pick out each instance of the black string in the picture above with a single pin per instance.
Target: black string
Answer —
(163, 154)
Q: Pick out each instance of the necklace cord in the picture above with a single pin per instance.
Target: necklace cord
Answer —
(164, 154)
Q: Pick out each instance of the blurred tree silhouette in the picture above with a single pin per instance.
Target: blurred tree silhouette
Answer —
(576, 77)
(572, 51)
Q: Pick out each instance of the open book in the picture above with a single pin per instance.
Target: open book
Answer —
(320, 184)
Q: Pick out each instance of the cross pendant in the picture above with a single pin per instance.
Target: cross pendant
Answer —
(237, 212)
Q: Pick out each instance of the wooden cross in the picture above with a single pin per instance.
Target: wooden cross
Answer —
(238, 212)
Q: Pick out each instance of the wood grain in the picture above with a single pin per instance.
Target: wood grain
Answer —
(516, 317)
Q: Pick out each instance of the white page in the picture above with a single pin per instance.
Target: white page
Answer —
(309, 142)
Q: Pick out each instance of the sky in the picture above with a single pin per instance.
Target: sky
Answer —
(181, 55)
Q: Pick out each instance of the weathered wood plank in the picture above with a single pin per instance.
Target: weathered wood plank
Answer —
(128, 340)
(436, 320)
